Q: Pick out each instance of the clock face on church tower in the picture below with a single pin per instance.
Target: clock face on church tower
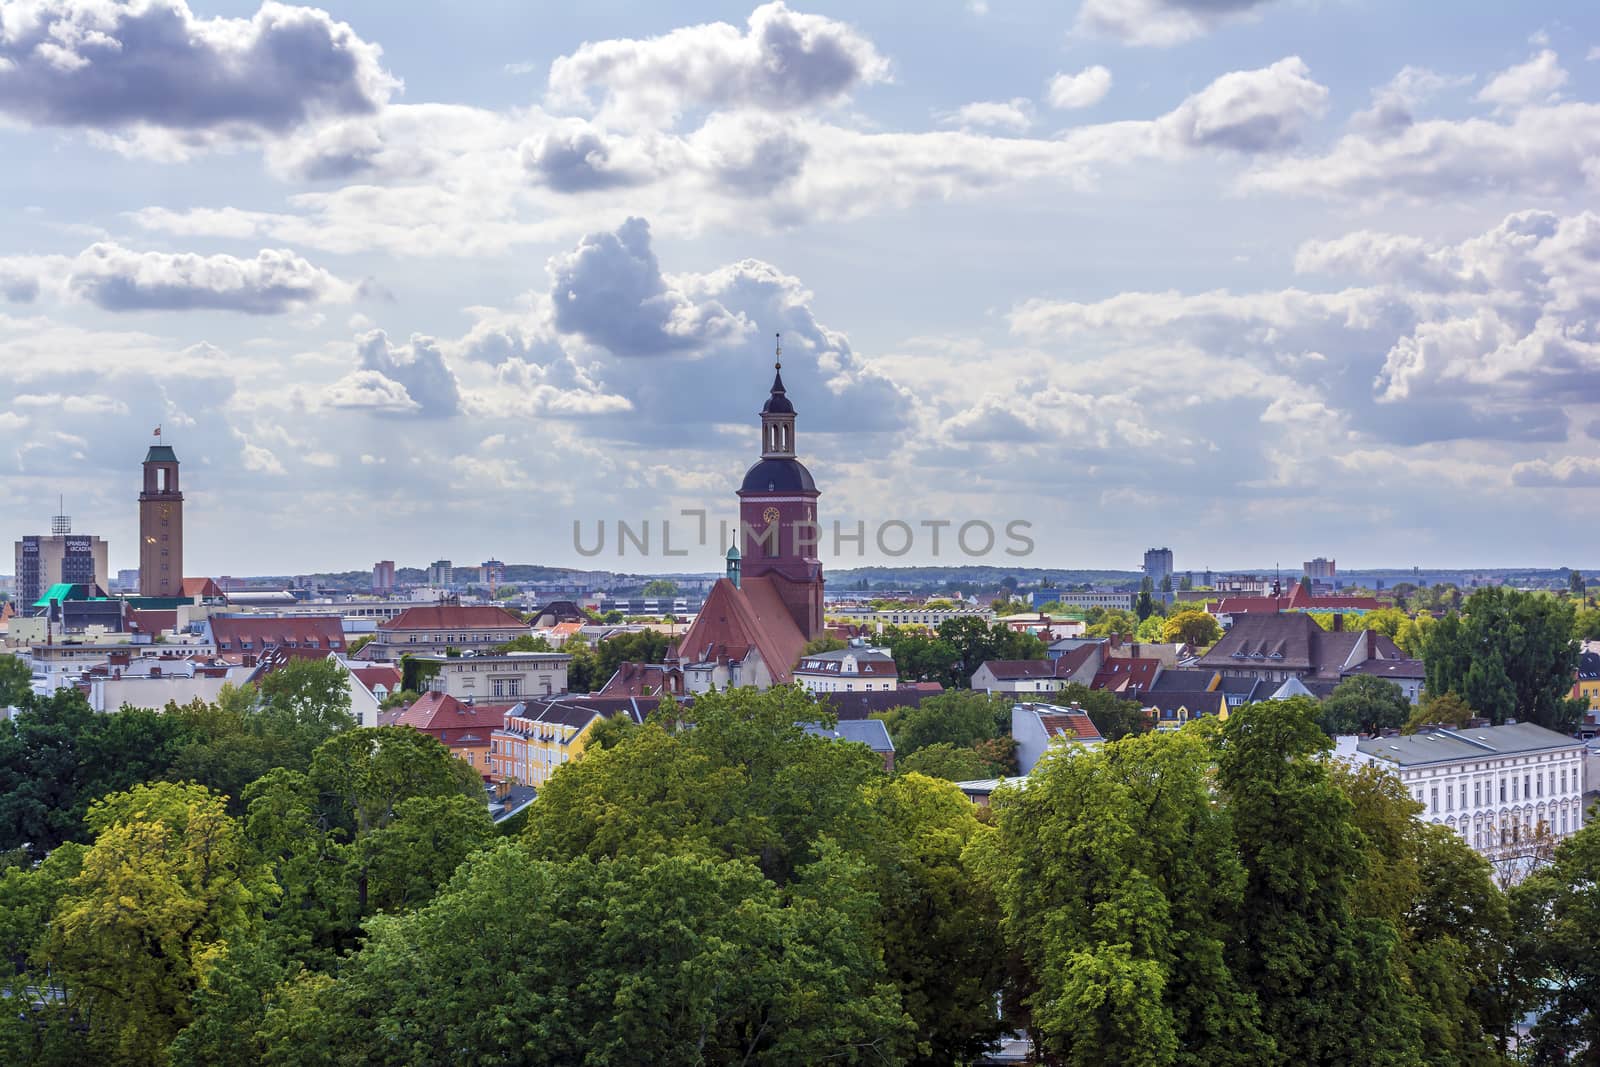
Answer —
(770, 516)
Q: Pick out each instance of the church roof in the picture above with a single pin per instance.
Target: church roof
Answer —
(778, 476)
(778, 403)
(736, 618)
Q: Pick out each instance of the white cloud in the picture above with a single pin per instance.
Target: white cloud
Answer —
(461, 182)
(1015, 114)
(1084, 89)
(106, 65)
(785, 60)
(370, 390)
(1159, 22)
(1393, 104)
(1566, 472)
(419, 368)
(1533, 82)
(1537, 151)
(276, 280)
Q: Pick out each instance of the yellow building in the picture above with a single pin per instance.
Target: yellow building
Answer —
(1586, 680)
(537, 737)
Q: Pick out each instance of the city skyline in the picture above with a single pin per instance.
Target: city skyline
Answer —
(403, 288)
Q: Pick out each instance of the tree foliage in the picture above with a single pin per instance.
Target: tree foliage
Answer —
(1197, 628)
(1510, 655)
(1366, 704)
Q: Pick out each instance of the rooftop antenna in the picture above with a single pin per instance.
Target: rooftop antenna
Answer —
(61, 522)
(777, 363)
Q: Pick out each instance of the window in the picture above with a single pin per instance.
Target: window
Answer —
(1449, 798)
(1434, 797)
(1477, 793)
(1541, 784)
(1502, 790)
(1526, 792)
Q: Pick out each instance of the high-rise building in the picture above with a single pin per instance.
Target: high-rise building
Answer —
(161, 524)
(60, 556)
(127, 580)
(1321, 569)
(383, 576)
(440, 574)
(1157, 564)
(491, 573)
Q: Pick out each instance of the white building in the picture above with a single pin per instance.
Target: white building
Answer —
(506, 677)
(847, 670)
(1037, 726)
(1494, 785)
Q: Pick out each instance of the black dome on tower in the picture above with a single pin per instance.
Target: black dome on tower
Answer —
(778, 476)
(778, 402)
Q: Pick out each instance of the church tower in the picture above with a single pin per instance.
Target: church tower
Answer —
(161, 524)
(778, 515)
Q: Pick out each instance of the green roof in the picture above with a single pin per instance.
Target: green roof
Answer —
(161, 454)
(67, 591)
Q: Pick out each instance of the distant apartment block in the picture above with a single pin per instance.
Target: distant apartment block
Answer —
(1321, 570)
(61, 556)
(1157, 564)
(383, 577)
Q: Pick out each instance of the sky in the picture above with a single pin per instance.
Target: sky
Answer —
(1257, 279)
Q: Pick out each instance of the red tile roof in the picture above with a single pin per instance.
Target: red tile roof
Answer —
(237, 634)
(1071, 724)
(735, 619)
(452, 721)
(454, 617)
(1127, 675)
(153, 622)
(200, 587)
(643, 680)
(382, 674)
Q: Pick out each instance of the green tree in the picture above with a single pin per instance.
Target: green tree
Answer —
(1585, 626)
(163, 889)
(938, 925)
(583, 670)
(1313, 963)
(953, 764)
(924, 657)
(1197, 628)
(1121, 894)
(16, 681)
(1145, 605)
(1412, 634)
(411, 858)
(357, 644)
(525, 643)
(1386, 621)
(959, 717)
(1446, 709)
(1576, 585)
(1366, 704)
(825, 643)
(1112, 621)
(57, 755)
(1557, 914)
(678, 960)
(1151, 629)
(1510, 655)
(642, 646)
(975, 641)
(658, 587)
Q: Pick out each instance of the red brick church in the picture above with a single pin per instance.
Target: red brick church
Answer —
(756, 621)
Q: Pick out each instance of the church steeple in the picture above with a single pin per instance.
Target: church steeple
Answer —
(777, 415)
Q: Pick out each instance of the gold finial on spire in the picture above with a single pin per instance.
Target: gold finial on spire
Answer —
(778, 363)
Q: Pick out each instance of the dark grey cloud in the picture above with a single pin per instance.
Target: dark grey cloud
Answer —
(105, 64)
(275, 281)
(611, 292)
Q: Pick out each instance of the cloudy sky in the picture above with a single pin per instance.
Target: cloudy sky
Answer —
(1258, 279)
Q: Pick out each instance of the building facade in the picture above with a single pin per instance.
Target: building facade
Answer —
(383, 577)
(161, 525)
(503, 678)
(1157, 564)
(1321, 570)
(59, 557)
(847, 670)
(441, 572)
(435, 629)
(1497, 786)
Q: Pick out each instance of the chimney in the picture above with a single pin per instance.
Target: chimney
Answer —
(1338, 622)
(155, 671)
